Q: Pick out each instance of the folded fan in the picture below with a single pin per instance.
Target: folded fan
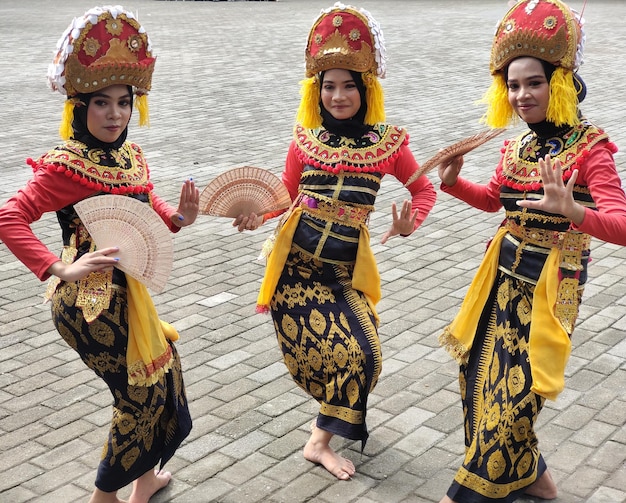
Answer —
(244, 190)
(461, 147)
(146, 247)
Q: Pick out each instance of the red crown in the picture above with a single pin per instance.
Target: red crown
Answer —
(543, 29)
(344, 37)
(106, 46)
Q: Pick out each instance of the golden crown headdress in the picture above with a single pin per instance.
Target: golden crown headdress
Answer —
(543, 29)
(104, 47)
(345, 37)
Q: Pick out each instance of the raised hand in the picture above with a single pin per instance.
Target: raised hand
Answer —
(558, 196)
(402, 224)
(449, 172)
(188, 205)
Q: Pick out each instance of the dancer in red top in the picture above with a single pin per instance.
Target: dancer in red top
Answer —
(104, 64)
(559, 187)
(321, 282)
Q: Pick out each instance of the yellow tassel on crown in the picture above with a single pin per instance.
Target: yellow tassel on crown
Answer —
(309, 110)
(375, 99)
(141, 103)
(499, 111)
(563, 105)
(65, 129)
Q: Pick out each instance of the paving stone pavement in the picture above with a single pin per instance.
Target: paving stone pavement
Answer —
(225, 94)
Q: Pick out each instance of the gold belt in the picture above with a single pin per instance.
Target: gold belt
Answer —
(94, 290)
(571, 245)
(566, 241)
(334, 211)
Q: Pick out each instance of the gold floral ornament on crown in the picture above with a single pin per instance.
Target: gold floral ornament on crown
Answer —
(345, 37)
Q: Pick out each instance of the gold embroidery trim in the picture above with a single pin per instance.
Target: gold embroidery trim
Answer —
(571, 245)
(333, 211)
(538, 237)
(79, 158)
(68, 254)
(94, 294)
(568, 295)
(453, 347)
(343, 413)
(391, 138)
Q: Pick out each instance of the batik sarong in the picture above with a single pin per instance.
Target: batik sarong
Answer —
(149, 422)
(502, 457)
(328, 336)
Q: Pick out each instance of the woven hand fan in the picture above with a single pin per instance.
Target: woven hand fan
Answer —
(145, 242)
(461, 147)
(244, 190)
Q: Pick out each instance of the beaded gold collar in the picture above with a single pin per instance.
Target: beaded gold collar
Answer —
(317, 148)
(520, 163)
(85, 166)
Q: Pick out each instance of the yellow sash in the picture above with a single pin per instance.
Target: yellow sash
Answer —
(148, 354)
(276, 260)
(364, 278)
(549, 343)
(458, 337)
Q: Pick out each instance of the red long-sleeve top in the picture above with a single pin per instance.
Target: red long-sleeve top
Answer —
(423, 194)
(607, 222)
(48, 191)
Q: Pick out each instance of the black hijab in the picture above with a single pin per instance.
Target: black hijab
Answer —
(81, 132)
(354, 127)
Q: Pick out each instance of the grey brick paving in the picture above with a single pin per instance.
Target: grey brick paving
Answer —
(225, 94)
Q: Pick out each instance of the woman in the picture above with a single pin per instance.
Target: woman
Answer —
(321, 283)
(559, 187)
(98, 310)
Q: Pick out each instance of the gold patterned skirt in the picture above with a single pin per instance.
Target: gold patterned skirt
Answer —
(149, 422)
(501, 450)
(329, 340)
(502, 457)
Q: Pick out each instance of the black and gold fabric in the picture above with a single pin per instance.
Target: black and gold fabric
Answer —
(327, 328)
(329, 340)
(500, 396)
(149, 422)
(334, 207)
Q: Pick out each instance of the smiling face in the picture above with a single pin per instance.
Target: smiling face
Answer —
(528, 89)
(340, 95)
(108, 113)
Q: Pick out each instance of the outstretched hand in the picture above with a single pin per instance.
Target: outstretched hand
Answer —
(188, 205)
(402, 224)
(558, 196)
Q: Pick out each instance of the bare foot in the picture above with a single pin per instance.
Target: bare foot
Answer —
(99, 496)
(544, 487)
(446, 499)
(317, 450)
(148, 484)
